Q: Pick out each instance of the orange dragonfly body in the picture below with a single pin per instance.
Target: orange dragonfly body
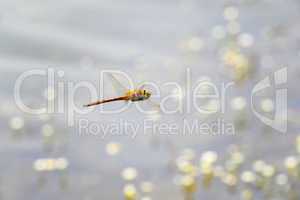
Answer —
(130, 95)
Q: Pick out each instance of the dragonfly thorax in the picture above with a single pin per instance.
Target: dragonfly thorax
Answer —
(138, 95)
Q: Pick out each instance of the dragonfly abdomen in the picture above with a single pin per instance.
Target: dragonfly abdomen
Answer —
(124, 98)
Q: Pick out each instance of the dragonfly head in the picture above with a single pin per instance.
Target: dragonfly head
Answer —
(147, 94)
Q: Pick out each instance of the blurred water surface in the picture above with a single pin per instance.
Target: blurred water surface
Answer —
(151, 41)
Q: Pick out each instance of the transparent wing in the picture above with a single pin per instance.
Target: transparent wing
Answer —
(118, 86)
(155, 107)
(142, 87)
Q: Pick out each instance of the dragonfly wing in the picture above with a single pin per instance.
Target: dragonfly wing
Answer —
(142, 87)
(118, 86)
(154, 105)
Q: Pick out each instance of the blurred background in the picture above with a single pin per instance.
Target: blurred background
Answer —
(224, 41)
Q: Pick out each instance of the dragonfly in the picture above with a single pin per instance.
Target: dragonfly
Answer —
(133, 95)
